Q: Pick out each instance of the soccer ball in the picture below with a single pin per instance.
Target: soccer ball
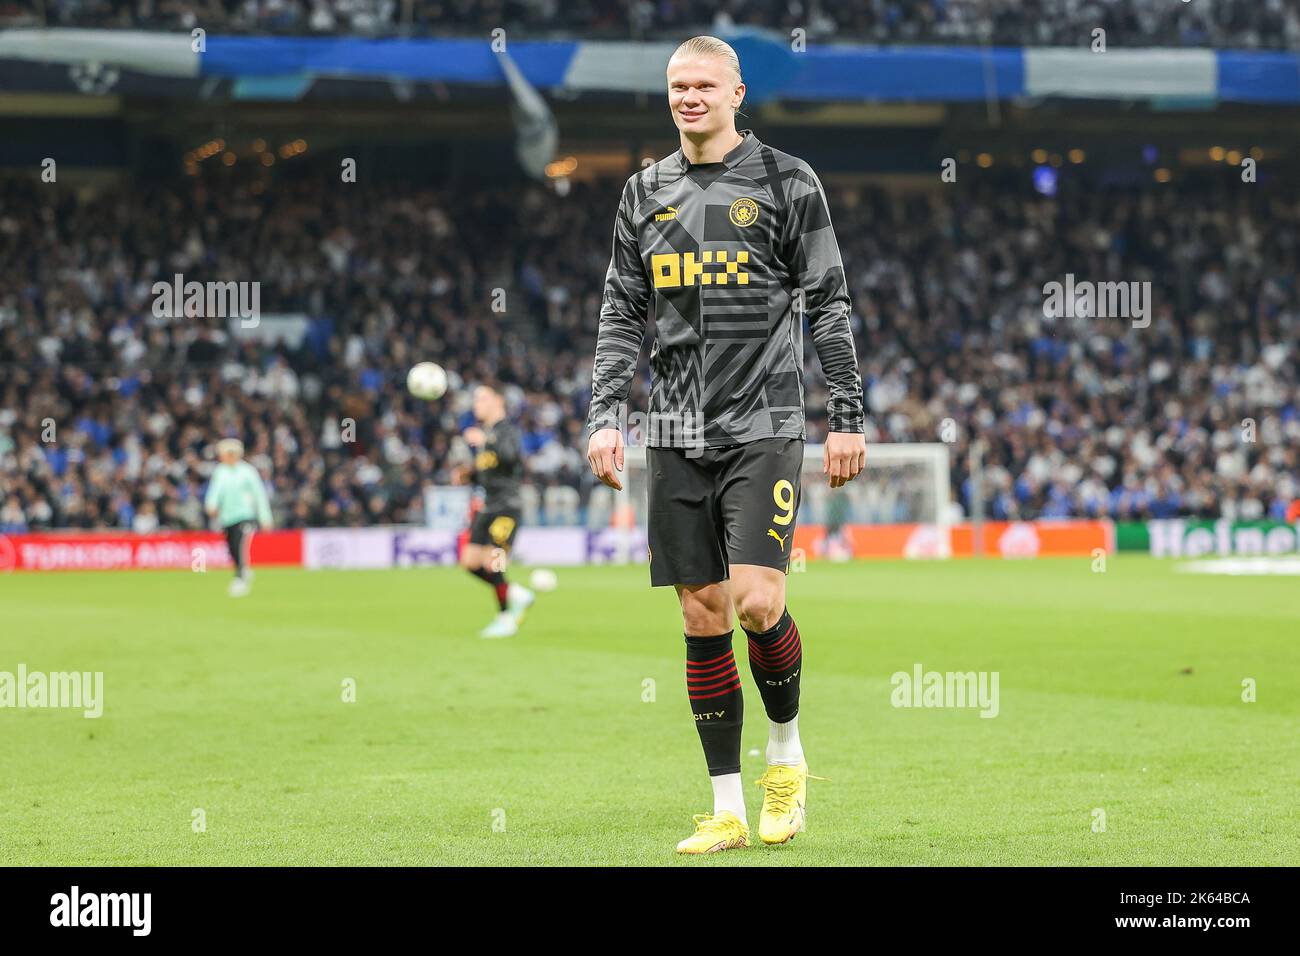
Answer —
(543, 579)
(427, 381)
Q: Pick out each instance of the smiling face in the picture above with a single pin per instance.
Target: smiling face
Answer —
(704, 93)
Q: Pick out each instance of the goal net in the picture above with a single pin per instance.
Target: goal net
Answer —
(898, 507)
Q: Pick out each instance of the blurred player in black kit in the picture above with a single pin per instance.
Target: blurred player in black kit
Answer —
(498, 469)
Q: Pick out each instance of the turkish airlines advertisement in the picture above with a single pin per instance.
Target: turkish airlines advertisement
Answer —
(397, 547)
(115, 551)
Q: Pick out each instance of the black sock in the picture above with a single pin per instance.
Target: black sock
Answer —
(497, 579)
(775, 659)
(713, 685)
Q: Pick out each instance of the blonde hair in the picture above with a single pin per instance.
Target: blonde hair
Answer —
(233, 445)
(711, 46)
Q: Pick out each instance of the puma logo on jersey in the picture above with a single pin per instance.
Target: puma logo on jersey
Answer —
(779, 540)
(665, 216)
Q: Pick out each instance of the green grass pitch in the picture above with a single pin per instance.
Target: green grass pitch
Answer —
(1119, 691)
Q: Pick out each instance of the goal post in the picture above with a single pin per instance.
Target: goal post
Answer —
(902, 498)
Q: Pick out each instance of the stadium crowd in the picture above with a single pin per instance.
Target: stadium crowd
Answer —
(1223, 23)
(109, 411)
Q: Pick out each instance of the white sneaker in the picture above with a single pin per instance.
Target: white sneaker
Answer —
(503, 625)
(518, 600)
(238, 587)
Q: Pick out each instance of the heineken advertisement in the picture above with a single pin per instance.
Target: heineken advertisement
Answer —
(1196, 538)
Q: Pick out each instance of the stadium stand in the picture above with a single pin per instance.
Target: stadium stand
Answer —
(1249, 24)
(1084, 416)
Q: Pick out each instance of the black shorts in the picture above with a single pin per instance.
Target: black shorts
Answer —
(726, 506)
(494, 528)
(239, 537)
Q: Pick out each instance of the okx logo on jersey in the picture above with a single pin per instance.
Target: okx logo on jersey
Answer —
(672, 270)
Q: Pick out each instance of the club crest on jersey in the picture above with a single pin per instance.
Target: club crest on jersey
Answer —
(743, 212)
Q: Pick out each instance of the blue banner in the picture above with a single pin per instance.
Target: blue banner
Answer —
(284, 67)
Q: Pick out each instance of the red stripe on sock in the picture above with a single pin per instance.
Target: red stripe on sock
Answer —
(791, 634)
(697, 680)
(727, 690)
(793, 646)
(693, 686)
(692, 671)
(782, 663)
(766, 653)
(771, 642)
(733, 681)
(778, 660)
(711, 660)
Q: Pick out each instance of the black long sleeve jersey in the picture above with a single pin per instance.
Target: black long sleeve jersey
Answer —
(721, 254)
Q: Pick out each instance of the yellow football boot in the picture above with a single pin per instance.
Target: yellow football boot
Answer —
(785, 792)
(715, 832)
